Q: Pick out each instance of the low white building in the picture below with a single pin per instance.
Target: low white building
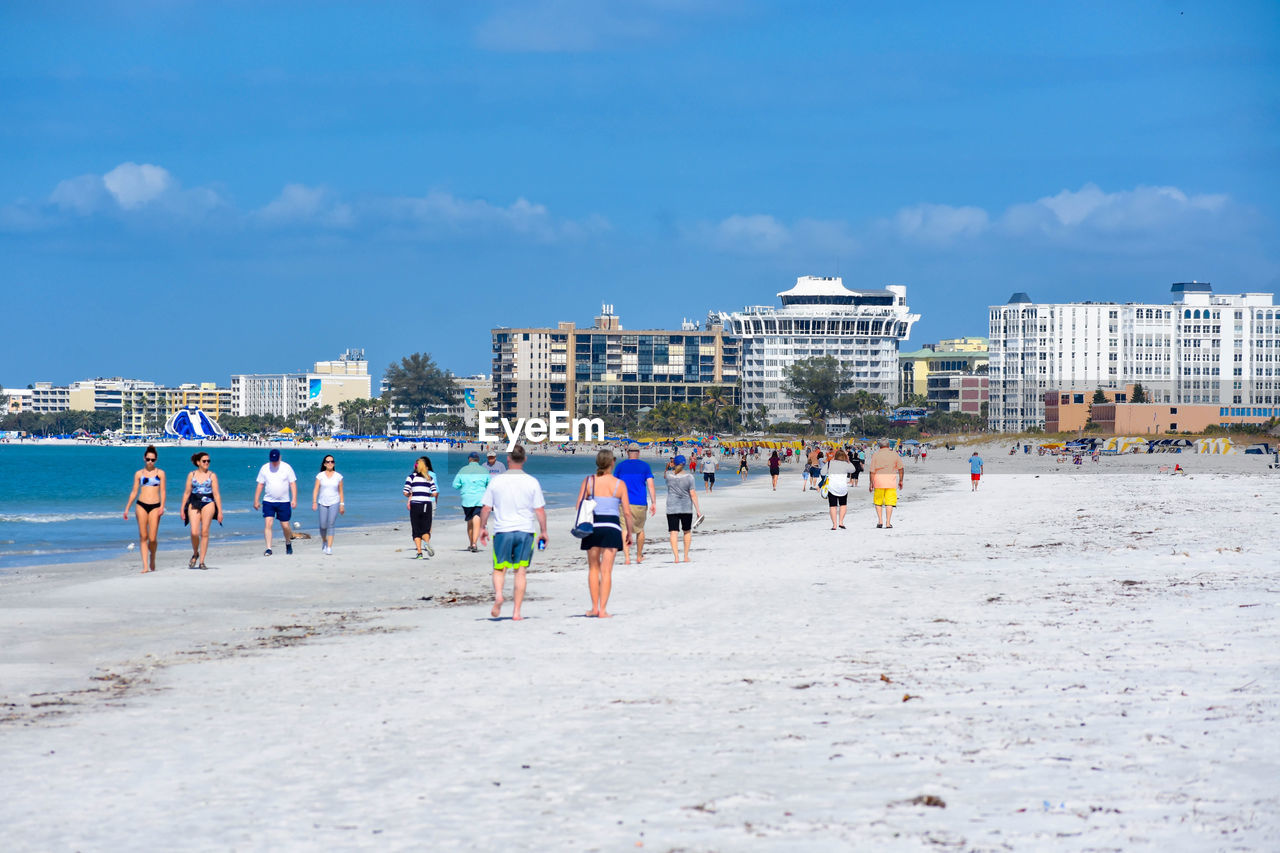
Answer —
(328, 384)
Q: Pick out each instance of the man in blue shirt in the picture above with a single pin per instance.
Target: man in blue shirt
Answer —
(975, 469)
(471, 482)
(638, 477)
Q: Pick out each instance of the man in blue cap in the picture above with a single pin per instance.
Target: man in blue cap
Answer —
(470, 483)
(277, 494)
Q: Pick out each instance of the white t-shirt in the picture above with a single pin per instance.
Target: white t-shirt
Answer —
(709, 464)
(275, 484)
(328, 488)
(514, 496)
(838, 473)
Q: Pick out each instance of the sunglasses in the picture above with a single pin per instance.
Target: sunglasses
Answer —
(328, 462)
(204, 461)
(148, 459)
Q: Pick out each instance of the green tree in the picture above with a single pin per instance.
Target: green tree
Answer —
(416, 384)
(1099, 396)
(1139, 394)
(816, 384)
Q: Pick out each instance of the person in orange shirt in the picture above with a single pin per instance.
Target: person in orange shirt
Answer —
(885, 467)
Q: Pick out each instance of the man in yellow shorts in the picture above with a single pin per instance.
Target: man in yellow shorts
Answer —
(885, 467)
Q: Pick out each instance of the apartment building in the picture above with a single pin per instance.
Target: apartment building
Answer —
(328, 384)
(606, 370)
(1200, 348)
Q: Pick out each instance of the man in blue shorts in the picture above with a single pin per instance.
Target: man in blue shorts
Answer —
(277, 492)
(519, 514)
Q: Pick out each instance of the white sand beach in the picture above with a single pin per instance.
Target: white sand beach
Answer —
(1073, 658)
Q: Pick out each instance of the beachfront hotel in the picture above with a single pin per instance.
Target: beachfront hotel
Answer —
(951, 375)
(608, 371)
(819, 316)
(1198, 349)
(328, 384)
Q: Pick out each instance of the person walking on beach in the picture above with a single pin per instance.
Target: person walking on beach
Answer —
(886, 473)
(682, 503)
(975, 470)
(811, 470)
(420, 489)
(201, 504)
(149, 492)
(709, 465)
(839, 471)
(857, 458)
(493, 466)
(329, 499)
(470, 483)
(610, 533)
(775, 468)
(277, 494)
(519, 513)
(742, 467)
(642, 497)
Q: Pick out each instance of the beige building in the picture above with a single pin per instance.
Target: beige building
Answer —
(144, 411)
(475, 395)
(954, 357)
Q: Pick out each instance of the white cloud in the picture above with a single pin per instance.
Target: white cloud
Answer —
(1091, 210)
(939, 224)
(298, 203)
(763, 234)
(440, 212)
(134, 185)
(83, 195)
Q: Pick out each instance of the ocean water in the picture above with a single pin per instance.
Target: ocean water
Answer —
(63, 504)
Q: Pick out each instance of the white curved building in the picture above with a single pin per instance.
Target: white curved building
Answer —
(820, 316)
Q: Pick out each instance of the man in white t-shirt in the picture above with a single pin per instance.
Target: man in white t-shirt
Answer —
(708, 465)
(277, 493)
(515, 501)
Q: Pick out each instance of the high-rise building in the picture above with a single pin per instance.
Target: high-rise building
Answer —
(328, 384)
(820, 317)
(607, 370)
(1200, 348)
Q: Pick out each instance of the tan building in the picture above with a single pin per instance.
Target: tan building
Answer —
(475, 394)
(955, 357)
(144, 411)
(1157, 418)
(1070, 411)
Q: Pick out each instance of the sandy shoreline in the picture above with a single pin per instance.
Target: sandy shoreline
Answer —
(1101, 640)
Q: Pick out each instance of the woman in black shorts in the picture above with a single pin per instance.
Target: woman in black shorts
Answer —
(682, 503)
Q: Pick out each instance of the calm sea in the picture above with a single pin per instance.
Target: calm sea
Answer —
(64, 504)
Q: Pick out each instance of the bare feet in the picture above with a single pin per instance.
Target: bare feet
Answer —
(603, 615)
(497, 608)
(144, 571)
(639, 559)
(516, 617)
(592, 613)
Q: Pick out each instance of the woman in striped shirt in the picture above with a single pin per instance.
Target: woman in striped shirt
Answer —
(421, 490)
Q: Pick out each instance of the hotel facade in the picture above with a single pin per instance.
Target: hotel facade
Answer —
(606, 370)
(1199, 349)
(819, 316)
(285, 394)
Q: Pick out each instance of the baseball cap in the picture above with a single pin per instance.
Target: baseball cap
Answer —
(274, 455)
(493, 453)
(474, 455)
(633, 448)
(679, 459)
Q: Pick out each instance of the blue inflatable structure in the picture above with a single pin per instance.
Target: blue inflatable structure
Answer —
(192, 423)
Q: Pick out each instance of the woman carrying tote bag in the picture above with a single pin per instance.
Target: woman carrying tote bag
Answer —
(610, 529)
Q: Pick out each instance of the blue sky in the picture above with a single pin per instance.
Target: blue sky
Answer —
(192, 189)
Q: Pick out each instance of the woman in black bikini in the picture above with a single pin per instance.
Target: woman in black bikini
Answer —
(148, 490)
(201, 504)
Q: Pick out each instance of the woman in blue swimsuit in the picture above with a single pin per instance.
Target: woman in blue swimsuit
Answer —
(148, 490)
(611, 530)
(201, 504)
